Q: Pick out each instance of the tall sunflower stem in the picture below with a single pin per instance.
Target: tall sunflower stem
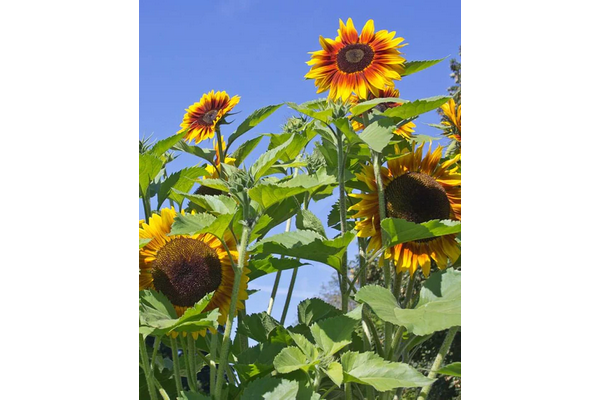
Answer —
(289, 296)
(147, 209)
(288, 226)
(409, 292)
(342, 187)
(186, 362)
(192, 379)
(232, 310)
(437, 363)
(176, 368)
(214, 344)
(147, 371)
(220, 150)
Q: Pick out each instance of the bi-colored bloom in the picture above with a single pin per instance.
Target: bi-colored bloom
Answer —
(356, 63)
(201, 118)
(186, 268)
(452, 112)
(405, 130)
(417, 189)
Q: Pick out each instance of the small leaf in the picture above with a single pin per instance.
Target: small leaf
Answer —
(165, 145)
(290, 359)
(257, 326)
(411, 67)
(253, 119)
(313, 310)
(267, 159)
(335, 372)
(450, 369)
(245, 149)
(149, 165)
(395, 230)
(367, 105)
(370, 369)
(307, 220)
(269, 388)
(415, 108)
(205, 154)
(264, 266)
(333, 334)
(309, 349)
(378, 134)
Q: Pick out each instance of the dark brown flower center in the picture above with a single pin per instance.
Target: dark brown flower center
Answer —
(210, 116)
(416, 197)
(354, 58)
(185, 270)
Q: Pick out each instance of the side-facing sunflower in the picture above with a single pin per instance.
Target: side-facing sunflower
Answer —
(201, 118)
(452, 113)
(405, 130)
(356, 63)
(186, 268)
(417, 189)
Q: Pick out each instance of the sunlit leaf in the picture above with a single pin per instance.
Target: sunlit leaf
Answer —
(411, 67)
(320, 115)
(267, 159)
(260, 267)
(395, 230)
(415, 108)
(450, 369)
(307, 220)
(378, 134)
(245, 149)
(333, 334)
(367, 105)
(149, 165)
(191, 224)
(205, 154)
(181, 181)
(290, 359)
(313, 310)
(164, 145)
(253, 119)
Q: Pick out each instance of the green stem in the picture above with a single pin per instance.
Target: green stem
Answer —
(395, 342)
(397, 286)
(437, 363)
(348, 390)
(147, 209)
(220, 150)
(192, 360)
(342, 186)
(175, 355)
(288, 226)
(213, 357)
(154, 351)
(243, 338)
(409, 292)
(186, 361)
(146, 368)
(289, 296)
(232, 309)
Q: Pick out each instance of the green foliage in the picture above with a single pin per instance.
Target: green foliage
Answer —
(396, 230)
(307, 220)
(411, 67)
(290, 359)
(365, 106)
(149, 165)
(258, 326)
(263, 266)
(205, 154)
(165, 145)
(191, 224)
(415, 108)
(450, 369)
(180, 181)
(245, 149)
(378, 134)
(314, 310)
(254, 119)
(144, 242)
(267, 159)
(320, 115)
(333, 334)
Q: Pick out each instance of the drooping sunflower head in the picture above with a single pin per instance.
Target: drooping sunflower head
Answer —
(356, 63)
(405, 130)
(452, 114)
(417, 189)
(202, 118)
(186, 268)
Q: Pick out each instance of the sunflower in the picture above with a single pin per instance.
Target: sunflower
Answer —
(417, 189)
(353, 63)
(201, 118)
(186, 268)
(452, 121)
(405, 130)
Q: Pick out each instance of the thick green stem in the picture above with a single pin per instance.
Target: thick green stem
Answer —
(232, 310)
(288, 226)
(342, 186)
(409, 292)
(192, 379)
(289, 296)
(176, 368)
(186, 361)
(146, 368)
(243, 338)
(220, 150)
(437, 363)
(348, 390)
(147, 209)
(214, 344)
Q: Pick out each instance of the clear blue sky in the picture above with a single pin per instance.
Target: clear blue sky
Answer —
(258, 49)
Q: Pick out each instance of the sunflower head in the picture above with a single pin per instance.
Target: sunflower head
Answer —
(452, 119)
(202, 118)
(186, 268)
(356, 63)
(418, 189)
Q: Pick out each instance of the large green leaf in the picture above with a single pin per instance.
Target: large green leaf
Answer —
(307, 220)
(370, 369)
(395, 230)
(320, 115)
(378, 134)
(245, 149)
(438, 307)
(164, 145)
(191, 224)
(182, 181)
(290, 359)
(307, 245)
(309, 349)
(415, 108)
(411, 67)
(269, 388)
(270, 193)
(335, 372)
(364, 106)
(205, 154)
(313, 310)
(333, 334)
(450, 369)
(264, 266)
(150, 165)
(267, 159)
(253, 119)
(257, 326)
(218, 204)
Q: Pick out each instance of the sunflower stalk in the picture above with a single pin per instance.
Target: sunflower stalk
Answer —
(437, 363)
(343, 217)
(232, 309)
(176, 368)
(214, 343)
(220, 150)
(146, 368)
(192, 380)
(289, 296)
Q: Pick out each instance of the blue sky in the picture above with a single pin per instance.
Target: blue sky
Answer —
(258, 49)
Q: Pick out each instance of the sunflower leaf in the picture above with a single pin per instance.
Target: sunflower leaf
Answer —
(314, 310)
(165, 145)
(245, 149)
(264, 266)
(272, 389)
(411, 67)
(438, 307)
(144, 242)
(267, 159)
(191, 224)
(369, 104)
(290, 359)
(182, 181)
(450, 369)
(307, 245)
(257, 326)
(150, 165)
(205, 154)
(218, 204)
(370, 369)
(320, 115)
(333, 334)
(415, 108)
(395, 230)
(253, 119)
(378, 134)
(307, 220)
